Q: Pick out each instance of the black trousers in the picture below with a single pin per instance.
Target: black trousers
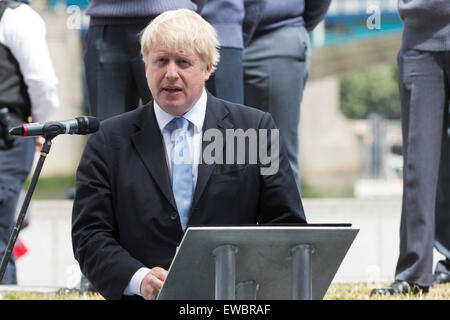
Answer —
(115, 72)
(227, 81)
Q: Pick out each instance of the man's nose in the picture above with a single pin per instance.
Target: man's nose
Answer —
(172, 71)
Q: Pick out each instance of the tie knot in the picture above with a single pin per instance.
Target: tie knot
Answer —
(181, 123)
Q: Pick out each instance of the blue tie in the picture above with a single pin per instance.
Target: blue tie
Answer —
(182, 184)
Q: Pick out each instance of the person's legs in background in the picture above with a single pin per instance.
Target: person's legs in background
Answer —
(15, 165)
(420, 74)
(424, 102)
(115, 73)
(227, 81)
(442, 234)
(276, 66)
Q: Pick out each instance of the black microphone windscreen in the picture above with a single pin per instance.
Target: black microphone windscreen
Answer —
(87, 124)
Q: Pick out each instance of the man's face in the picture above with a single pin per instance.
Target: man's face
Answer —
(175, 78)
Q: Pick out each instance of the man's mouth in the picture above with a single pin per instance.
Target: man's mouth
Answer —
(172, 89)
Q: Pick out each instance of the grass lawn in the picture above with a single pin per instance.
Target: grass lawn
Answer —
(55, 188)
(51, 188)
(337, 291)
(361, 291)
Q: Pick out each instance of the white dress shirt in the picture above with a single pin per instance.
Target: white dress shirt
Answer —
(196, 117)
(22, 31)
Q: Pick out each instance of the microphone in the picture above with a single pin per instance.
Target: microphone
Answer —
(79, 125)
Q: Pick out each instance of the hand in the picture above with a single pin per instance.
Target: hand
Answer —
(152, 283)
(39, 143)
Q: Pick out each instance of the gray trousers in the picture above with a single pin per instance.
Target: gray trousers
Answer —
(15, 165)
(276, 66)
(425, 220)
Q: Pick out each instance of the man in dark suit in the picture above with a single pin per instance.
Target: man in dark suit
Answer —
(147, 175)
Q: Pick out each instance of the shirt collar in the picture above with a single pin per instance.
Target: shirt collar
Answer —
(196, 115)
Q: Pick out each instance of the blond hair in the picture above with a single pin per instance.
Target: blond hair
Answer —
(182, 29)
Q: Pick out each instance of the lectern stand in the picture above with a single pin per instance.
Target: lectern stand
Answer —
(257, 262)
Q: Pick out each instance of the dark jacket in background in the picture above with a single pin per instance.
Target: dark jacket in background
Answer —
(281, 13)
(135, 11)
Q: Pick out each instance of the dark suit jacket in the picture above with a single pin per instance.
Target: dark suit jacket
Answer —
(124, 213)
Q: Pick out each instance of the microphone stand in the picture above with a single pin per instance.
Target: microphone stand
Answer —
(12, 240)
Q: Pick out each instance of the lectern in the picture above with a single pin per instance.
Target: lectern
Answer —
(257, 262)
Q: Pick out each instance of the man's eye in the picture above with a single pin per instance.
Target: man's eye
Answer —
(182, 62)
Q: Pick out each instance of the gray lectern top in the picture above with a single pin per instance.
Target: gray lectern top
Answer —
(263, 255)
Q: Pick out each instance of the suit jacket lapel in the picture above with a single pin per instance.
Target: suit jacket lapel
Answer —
(215, 118)
(149, 145)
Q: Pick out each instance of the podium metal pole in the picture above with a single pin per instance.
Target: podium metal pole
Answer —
(301, 272)
(246, 290)
(225, 272)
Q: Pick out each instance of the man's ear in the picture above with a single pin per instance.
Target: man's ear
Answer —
(208, 71)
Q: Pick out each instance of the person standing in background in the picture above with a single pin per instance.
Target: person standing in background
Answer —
(28, 88)
(234, 22)
(227, 16)
(423, 80)
(276, 64)
(115, 73)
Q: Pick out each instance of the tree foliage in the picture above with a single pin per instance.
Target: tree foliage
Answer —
(372, 91)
